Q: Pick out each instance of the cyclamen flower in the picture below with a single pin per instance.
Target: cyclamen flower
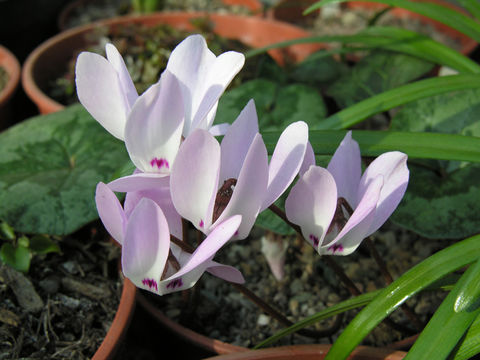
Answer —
(210, 183)
(336, 208)
(149, 259)
(106, 90)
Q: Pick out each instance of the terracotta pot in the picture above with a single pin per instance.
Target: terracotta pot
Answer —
(292, 11)
(112, 341)
(254, 6)
(11, 65)
(44, 62)
(311, 352)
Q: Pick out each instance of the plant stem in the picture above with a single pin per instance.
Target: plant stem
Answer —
(389, 279)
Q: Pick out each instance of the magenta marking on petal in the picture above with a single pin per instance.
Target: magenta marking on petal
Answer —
(314, 239)
(159, 163)
(336, 248)
(151, 283)
(236, 233)
(201, 224)
(175, 283)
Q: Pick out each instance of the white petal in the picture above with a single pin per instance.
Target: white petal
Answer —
(110, 212)
(393, 167)
(114, 57)
(194, 178)
(311, 204)
(286, 161)
(237, 141)
(100, 91)
(146, 246)
(250, 189)
(346, 168)
(154, 128)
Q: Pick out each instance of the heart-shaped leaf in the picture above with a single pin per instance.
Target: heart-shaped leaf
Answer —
(442, 197)
(49, 167)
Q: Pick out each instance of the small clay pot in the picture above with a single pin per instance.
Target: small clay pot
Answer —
(9, 62)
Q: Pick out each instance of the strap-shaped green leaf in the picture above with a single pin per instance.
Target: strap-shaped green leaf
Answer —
(390, 38)
(469, 346)
(373, 143)
(420, 276)
(454, 316)
(443, 14)
(399, 96)
(472, 6)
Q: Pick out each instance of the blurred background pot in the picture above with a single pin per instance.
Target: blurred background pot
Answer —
(9, 79)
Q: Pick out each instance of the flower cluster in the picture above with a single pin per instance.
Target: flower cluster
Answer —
(184, 173)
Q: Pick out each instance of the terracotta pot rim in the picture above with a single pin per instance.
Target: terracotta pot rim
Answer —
(120, 323)
(11, 65)
(311, 351)
(43, 51)
(254, 6)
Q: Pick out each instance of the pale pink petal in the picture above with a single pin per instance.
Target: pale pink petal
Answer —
(346, 168)
(114, 57)
(286, 161)
(393, 167)
(139, 181)
(154, 128)
(225, 272)
(219, 74)
(100, 91)
(203, 79)
(250, 189)
(110, 212)
(219, 129)
(146, 246)
(356, 228)
(200, 260)
(194, 178)
(311, 204)
(161, 196)
(308, 160)
(237, 141)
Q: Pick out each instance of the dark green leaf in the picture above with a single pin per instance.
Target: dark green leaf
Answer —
(42, 244)
(469, 346)
(16, 257)
(277, 105)
(375, 73)
(49, 167)
(444, 194)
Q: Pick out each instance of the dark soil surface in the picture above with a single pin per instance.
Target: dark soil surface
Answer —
(64, 306)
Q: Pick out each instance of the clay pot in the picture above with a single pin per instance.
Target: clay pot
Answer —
(44, 62)
(254, 6)
(113, 340)
(292, 11)
(311, 352)
(11, 65)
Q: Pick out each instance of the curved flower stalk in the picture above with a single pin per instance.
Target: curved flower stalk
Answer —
(211, 182)
(149, 259)
(336, 208)
(203, 78)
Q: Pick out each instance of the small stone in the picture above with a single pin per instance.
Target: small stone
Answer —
(263, 320)
(50, 285)
(293, 306)
(69, 302)
(70, 267)
(349, 19)
(296, 286)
